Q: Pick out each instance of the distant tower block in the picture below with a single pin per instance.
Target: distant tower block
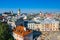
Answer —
(19, 12)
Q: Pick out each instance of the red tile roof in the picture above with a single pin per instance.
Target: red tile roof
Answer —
(20, 31)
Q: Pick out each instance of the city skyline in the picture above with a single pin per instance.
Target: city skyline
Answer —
(30, 6)
(15, 10)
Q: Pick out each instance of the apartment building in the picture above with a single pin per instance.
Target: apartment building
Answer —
(21, 33)
(31, 25)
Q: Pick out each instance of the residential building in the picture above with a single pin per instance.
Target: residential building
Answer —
(35, 25)
(11, 24)
(39, 27)
(24, 17)
(51, 25)
(7, 14)
(31, 25)
(2, 18)
(38, 19)
(21, 33)
(48, 24)
(19, 21)
(25, 23)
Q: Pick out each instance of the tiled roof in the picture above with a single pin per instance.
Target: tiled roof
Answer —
(19, 30)
(1, 16)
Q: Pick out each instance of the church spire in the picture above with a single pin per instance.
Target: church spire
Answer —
(18, 12)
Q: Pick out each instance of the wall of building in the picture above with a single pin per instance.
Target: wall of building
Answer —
(29, 37)
(31, 25)
(17, 37)
(44, 27)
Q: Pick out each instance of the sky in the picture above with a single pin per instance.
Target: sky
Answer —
(29, 6)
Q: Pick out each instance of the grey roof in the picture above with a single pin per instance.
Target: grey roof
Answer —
(31, 21)
(36, 34)
(49, 21)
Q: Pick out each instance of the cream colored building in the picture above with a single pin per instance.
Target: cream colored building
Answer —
(31, 25)
(46, 25)
(51, 24)
(35, 25)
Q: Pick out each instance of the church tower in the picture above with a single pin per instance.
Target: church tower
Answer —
(40, 13)
(19, 12)
(12, 12)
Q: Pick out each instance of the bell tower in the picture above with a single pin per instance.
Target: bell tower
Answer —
(19, 12)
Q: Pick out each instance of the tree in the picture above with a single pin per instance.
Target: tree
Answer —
(5, 33)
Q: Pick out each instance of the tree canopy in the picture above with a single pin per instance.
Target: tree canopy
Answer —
(5, 33)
